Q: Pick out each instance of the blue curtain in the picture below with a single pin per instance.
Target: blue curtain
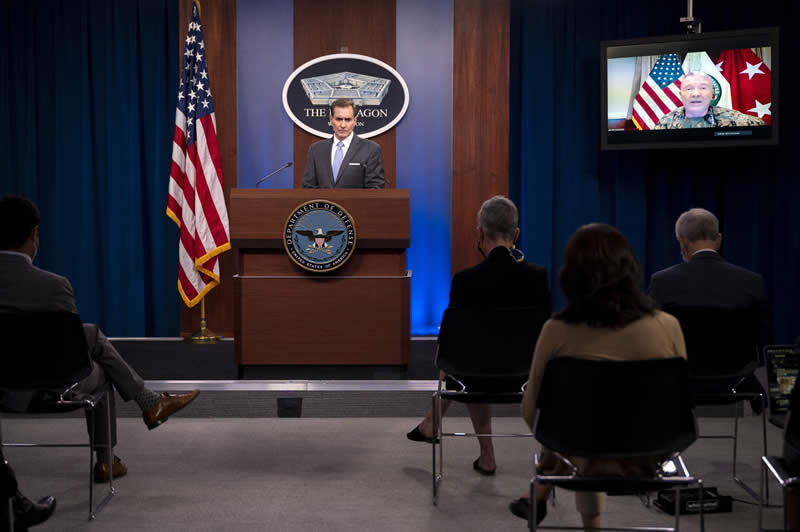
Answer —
(561, 179)
(87, 89)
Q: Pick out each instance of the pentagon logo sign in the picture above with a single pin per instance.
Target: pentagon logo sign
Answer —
(319, 236)
(378, 90)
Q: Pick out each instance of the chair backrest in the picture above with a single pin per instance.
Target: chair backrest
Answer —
(719, 342)
(610, 409)
(44, 350)
(489, 341)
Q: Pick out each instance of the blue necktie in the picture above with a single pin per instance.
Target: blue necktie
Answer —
(337, 160)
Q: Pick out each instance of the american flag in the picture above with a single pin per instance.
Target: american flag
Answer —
(660, 93)
(196, 201)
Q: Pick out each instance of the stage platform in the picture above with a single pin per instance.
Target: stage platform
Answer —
(230, 391)
(174, 359)
(169, 364)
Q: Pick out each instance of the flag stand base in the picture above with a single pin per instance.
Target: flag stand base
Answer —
(204, 335)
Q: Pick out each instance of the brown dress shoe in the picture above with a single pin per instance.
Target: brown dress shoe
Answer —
(102, 473)
(168, 405)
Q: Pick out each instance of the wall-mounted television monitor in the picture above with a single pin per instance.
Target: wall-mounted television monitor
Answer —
(694, 90)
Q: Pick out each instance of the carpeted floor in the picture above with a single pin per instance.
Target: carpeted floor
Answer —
(333, 474)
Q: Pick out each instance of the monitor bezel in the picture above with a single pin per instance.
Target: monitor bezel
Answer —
(767, 36)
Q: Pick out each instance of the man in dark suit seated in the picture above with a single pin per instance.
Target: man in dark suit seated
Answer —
(503, 279)
(705, 279)
(346, 160)
(26, 288)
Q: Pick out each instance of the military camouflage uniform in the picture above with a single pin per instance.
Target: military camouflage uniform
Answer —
(716, 117)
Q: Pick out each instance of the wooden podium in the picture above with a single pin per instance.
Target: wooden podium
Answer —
(357, 314)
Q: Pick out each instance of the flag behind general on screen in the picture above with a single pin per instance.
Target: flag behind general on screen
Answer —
(196, 201)
(660, 93)
(750, 79)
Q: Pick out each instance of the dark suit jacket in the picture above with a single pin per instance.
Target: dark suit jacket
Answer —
(708, 280)
(26, 288)
(501, 281)
(362, 166)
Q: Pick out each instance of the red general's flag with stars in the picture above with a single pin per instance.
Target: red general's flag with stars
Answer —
(751, 82)
(196, 201)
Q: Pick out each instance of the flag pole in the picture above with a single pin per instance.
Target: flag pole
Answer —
(195, 132)
(204, 335)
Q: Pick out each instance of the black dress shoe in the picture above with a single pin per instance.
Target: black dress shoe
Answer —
(522, 509)
(417, 435)
(485, 472)
(28, 513)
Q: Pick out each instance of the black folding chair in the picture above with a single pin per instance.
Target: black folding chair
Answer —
(486, 354)
(45, 358)
(785, 469)
(723, 352)
(616, 411)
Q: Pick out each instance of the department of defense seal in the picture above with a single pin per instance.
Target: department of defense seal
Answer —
(319, 236)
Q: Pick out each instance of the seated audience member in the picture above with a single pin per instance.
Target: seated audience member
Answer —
(706, 279)
(26, 288)
(607, 317)
(501, 280)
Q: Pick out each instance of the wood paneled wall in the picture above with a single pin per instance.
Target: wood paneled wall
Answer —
(219, 31)
(366, 27)
(480, 106)
(481, 42)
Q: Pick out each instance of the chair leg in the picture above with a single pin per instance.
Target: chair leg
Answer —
(750, 491)
(677, 509)
(764, 437)
(93, 417)
(735, 437)
(439, 435)
(436, 478)
(110, 447)
(109, 452)
(532, 505)
(761, 482)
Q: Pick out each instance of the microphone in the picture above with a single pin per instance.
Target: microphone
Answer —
(287, 165)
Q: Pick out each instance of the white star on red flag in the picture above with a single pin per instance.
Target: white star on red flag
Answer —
(752, 70)
(761, 109)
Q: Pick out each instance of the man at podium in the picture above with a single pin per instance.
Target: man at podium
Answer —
(345, 160)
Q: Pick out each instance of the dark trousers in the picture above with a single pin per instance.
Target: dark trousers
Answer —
(107, 366)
